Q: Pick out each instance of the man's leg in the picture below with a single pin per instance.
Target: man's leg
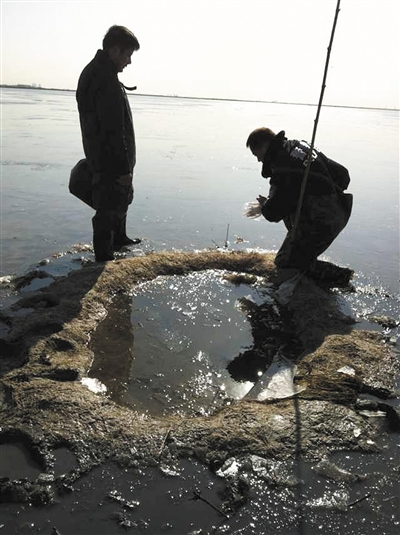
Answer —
(301, 254)
(123, 198)
(103, 234)
(289, 270)
(120, 237)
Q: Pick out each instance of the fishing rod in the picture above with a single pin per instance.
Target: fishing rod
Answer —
(309, 157)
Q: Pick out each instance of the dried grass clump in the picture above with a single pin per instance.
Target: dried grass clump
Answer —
(344, 366)
(337, 388)
(240, 278)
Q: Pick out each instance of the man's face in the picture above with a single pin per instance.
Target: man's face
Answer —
(121, 58)
(260, 152)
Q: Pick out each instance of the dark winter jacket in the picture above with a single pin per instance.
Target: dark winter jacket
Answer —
(285, 163)
(106, 120)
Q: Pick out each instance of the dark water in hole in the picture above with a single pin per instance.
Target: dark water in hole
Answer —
(167, 347)
(16, 462)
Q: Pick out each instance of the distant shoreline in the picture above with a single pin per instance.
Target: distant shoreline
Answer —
(27, 86)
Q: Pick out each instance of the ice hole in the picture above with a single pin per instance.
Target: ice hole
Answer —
(17, 462)
(165, 348)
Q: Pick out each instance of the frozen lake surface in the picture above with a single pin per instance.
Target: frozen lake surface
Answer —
(192, 178)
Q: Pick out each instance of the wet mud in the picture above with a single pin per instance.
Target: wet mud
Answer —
(241, 450)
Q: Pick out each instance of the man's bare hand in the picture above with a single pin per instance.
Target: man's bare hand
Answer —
(125, 180)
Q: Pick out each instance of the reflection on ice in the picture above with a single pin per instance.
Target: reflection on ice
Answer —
(371, 302)
(334, 500)
(186, 330)
(94, 385)
(277, 381)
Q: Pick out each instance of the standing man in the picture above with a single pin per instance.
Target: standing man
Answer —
(108, 140)
(325, 210)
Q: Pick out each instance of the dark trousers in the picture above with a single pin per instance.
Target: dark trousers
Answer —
(321, 221)
(109, 230)
(111, 201)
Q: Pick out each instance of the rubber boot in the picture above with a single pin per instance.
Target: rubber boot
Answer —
(120, 237)
(103, 239)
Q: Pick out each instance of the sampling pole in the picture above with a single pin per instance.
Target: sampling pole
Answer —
(309, 158)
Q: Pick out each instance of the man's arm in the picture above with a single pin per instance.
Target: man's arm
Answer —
(282, 198)
(110, 111)
(125, 180)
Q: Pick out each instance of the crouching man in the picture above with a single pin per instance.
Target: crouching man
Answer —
(325, 209)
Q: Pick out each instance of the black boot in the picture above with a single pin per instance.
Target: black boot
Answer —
(120, 237)
(102, 241)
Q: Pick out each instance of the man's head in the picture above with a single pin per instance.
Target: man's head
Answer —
(259, 142)
(120, 43)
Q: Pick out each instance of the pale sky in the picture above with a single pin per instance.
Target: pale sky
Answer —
(242, 49)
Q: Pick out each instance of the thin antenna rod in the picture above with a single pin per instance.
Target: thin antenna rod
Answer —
(227, 236)
(309, 158)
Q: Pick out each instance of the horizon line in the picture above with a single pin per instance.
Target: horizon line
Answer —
(29, 86)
